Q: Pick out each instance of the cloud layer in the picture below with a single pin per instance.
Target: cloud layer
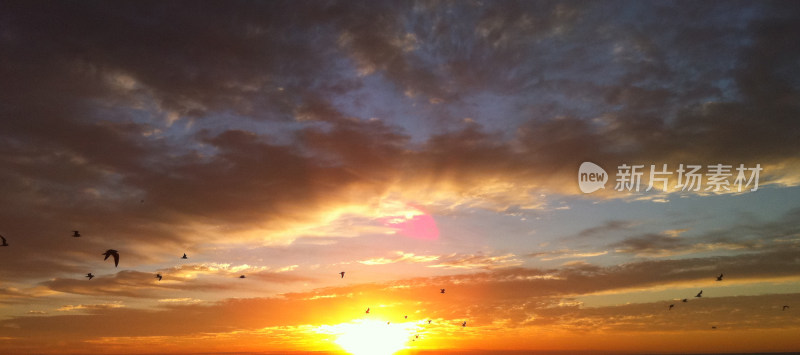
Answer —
(290, 140)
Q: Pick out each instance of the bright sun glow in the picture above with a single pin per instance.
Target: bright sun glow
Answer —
(373, 337)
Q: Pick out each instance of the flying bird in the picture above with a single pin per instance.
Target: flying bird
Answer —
(670, 306)
(719, 278)
(406, 317)
(442, 291)
(241, 277)
(464, 324)
(184, 256)
(713, 327)
(4, 241)
(89, 275)
(76, 234)
(429, 321)
(699, 294)
(785, 307)
(158, 276)
(367, 310)
(685, 300)
(112, 252)
(342, 273)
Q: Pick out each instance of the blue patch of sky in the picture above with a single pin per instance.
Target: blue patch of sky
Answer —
(692, 61)
(670, 295)
(381, 99)
(561, 229)
(562, 79)
(545, 73)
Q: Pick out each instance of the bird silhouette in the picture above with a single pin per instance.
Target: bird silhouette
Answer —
(442, 291)
(685, 300)
(367, 310)
(184, 256)
(670, 306)
(416, 336)
(406, 317)
(76, 234)
(699, 294)
(713, 327)
(464, 324)
(719, 278)
(342, 273)
(89, 275)
(4, 241)
(785, 307)
(112, 252)
(429, 321)
(241, 277)
(158, 276)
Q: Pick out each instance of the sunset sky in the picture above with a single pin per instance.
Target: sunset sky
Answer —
(415, 146)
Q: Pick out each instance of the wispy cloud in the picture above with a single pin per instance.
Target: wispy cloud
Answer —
(400, 257)
(755, 235)
(89, 307)
(564, 254)
(477, 261)
(614, 226)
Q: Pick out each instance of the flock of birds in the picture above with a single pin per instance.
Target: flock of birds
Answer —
(700, 294)
(463, 324)
(115, 254)
(109, 253)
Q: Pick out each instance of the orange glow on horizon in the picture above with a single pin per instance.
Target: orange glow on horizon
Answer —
(372, 336)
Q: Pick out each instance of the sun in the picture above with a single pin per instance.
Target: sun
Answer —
(374, 337)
